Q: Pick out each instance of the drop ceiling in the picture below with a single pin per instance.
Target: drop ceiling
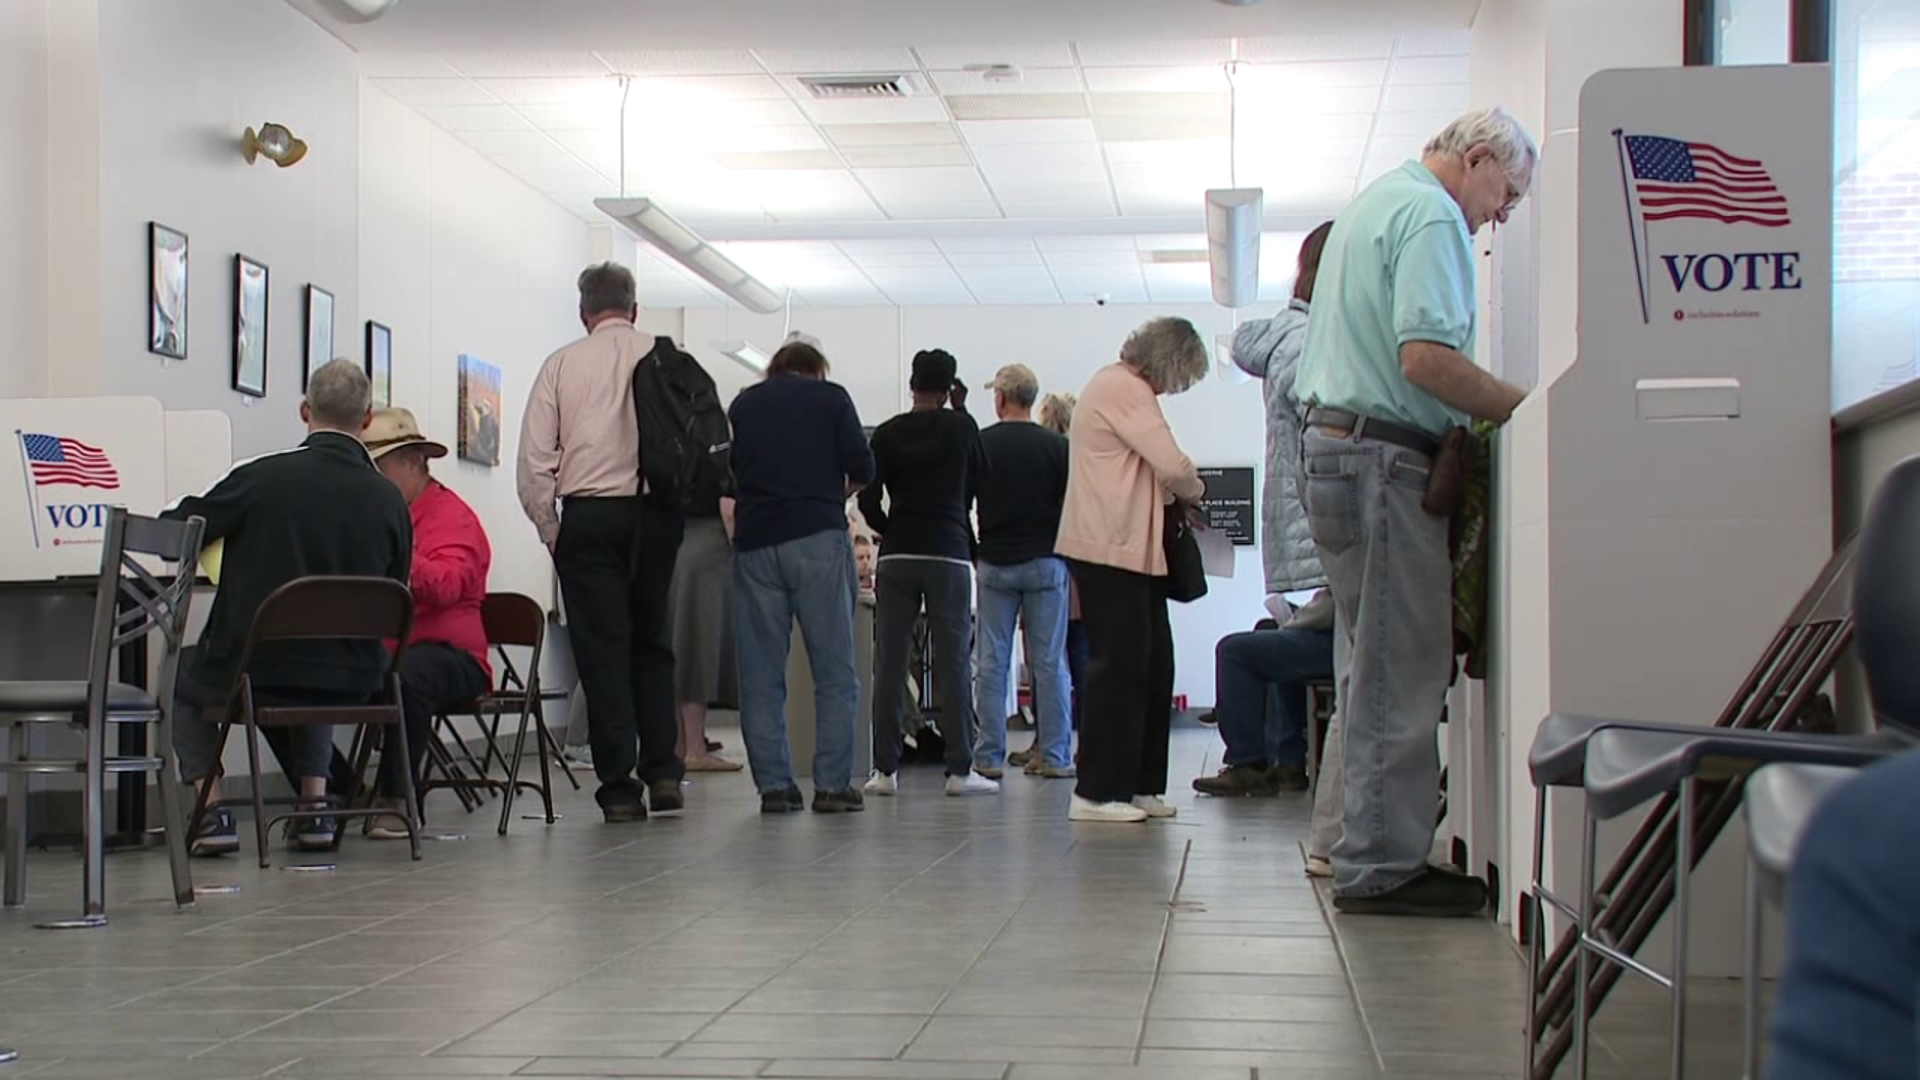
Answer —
(1054, 187)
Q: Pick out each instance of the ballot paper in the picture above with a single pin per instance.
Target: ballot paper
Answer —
(210, 559)
(1216, 552)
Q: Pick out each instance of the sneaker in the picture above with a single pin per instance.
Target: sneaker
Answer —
(1319, 866)
(1239, 781)
(1021, 759)
(784, 800)
(1290, 777)
(1088, 810)
(387, 828)
(621, 804)
(972, 784)
(218, 835)
(1050, 772)
(991, 772)
(666, 797)
(1154, 806)
(578, 757)
(1434, 893)
(315, 834)
(845, 801)
(882, 784)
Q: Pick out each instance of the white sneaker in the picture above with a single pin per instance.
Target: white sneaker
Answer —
(579, 757)
(1154, 806)
(881, 784)
(972, 784)
(1088, 810)
(1319, 866)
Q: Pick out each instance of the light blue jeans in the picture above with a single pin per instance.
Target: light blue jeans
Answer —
(1392, 580)
(1038, 588)
(810, 579)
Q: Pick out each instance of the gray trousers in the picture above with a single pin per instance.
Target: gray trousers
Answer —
(1329, 785)
(901, 586)
(1387, 564)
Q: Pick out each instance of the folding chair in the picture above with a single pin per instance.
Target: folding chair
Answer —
(324, 608)
(512, 621)
(130, 603)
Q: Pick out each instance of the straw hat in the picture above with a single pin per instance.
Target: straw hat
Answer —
(392, 429)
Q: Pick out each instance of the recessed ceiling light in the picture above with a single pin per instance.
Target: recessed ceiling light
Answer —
(996, 73)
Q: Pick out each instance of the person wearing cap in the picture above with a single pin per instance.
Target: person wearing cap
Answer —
(1021, 579)
(929, 463)
(445, 661)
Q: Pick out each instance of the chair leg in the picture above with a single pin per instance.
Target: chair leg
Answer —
(513, 767)
(259, 797)
(1582, 954)
(552, 745)
(18, 796)
(1682, 873)
(546, 770)
(407, 794)
(1750, 974)
(94, 813)
(170, 804)
(1536, 928)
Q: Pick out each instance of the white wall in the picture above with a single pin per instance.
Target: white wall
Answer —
(456, 256)
(872, 348)
(23, 197)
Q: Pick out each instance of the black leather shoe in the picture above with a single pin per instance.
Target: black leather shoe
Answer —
(1436, 893)
(847, 801)
(666, 797)
(621, 811)
(783, 801)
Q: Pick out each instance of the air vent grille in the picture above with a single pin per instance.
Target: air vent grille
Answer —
(858, 86)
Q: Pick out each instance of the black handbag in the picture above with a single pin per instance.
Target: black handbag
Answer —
(1186, 572)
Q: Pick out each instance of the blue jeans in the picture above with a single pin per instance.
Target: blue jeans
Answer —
(1849, 1003)
(1392, 582)
(810, 579)
(1260, 693)
(1039, 589)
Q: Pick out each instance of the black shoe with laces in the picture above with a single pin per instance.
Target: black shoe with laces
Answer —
(1435, 893)
(785, 800)
(665, 797)
(844, 801)
(621, 803)
(1239, 780)
(1290, 777)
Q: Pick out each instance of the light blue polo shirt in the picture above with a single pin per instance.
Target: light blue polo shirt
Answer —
(1398, 267)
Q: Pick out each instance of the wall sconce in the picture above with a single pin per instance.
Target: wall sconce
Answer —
(273, 142)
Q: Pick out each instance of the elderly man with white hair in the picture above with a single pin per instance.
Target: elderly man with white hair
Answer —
(1387, 373)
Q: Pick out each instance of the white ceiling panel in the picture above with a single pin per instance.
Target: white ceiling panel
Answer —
(1178, 283)
(1026, 55)
(1152, 153)
(810, 196)
(1435, 43)
(576, 116)
(904, 157)
(399, 65)
(681, 61)
(779, 159)
(460, 118)
(1429, 70)
(938, 192)
(534, 64)
(418, 92)
(1159, 104)
(1063, 163)
(743, 140)
(1017, 106)
(837, 61)
(1190, 78)
(729, 87)
(522, 141)
(1052, 246)
(854, 291)
(1321, 47)
(556, 163)
(1087, 204)
(863, 249)
(968, 261)
(590, 142)
(927, 134)
(1031, 81)
(1161, 129)
(1010, 284)
(1098, 54)
(1451, 98)
(1117, 288)
(1419, 125)
(1026, 132)
(993, 245)
(555, 91)
(1275, 103)
(913, 110)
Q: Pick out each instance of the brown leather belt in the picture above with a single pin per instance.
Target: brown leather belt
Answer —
(1344, 424)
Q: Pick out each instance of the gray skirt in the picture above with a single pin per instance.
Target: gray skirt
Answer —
(700, 605)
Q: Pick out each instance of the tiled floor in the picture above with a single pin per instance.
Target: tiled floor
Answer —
(932, 938)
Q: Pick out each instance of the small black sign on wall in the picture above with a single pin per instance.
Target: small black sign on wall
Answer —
(1228, 502)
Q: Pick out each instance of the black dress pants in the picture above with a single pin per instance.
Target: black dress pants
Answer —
(1128, 696)
(433, 676)
(615, 558)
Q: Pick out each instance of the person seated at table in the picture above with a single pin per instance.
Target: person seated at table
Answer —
(1260, 700)
(320, 508)
(445, 661)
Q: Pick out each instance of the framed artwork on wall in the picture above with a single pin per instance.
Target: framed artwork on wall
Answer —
(249, 326)
(166, 291)
(480, 417)
(380, 363)
(319, 331)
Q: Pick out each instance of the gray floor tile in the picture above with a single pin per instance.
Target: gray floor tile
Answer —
(673, 1067)
(1347, 1038)
(989, 1031)
(411, 1066)
(884, 1070)
(1297, 1009)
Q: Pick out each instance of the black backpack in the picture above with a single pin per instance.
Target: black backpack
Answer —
(684, 436)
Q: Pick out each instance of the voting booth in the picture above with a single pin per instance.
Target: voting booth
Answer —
(1666, 496)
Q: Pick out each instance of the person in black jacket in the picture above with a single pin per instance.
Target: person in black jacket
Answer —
(930, 462)
(320, 508)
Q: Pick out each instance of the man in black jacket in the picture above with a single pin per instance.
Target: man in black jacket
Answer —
(929, 462)
(320, 508)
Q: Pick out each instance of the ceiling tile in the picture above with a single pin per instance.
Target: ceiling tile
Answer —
(762, 139)
(1420, 125)
(1279, 101)
(1060, 163)
(475, 117)
(1451, 98)
(524, 141)
(1018, 106)
(926, 191)
(554, 91)
(1050, 245)
(396, 65)
(1115, 288)
(859, 249)
(1150, 153)
(525, 64)
(972, 245)
(929, 134)
(966, 261)
(728, 87)
(1170, 242)
(1031, 81)
(901, 262)
(1178, 283)
(837, 61)
(1157, 104)
(1320, 73)
(904, 157)
(854, 291)
(780, 159)
(1429, 70)
(1323, 47)
(1010, 285)
(681, 62)
(1088, 203)
(1027, 55)
(577, 116)
(1435, 43)
(928, 285)
(1191, 78)
(588, 142)
(1143, 129)
(1026, 132)
(436, 91)
(790, 195)
(556, 164)
(1095, 54)
(913, 110)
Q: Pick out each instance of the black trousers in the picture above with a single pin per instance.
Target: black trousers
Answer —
(615, 558)
(901, 586)
(433, 676)
(1128, 697)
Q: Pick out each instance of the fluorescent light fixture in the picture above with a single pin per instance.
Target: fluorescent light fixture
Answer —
(646, 220)
(1233, 244)
(749, 357)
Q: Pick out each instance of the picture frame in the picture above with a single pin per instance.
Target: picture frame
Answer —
(319, 331)
(251, 280)
(380, 363)
(481, 416)
(166, 291)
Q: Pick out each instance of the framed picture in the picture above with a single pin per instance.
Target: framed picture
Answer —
(249, 326)
(319, 331)
(166, 291)
(380, 363)
(479, 411)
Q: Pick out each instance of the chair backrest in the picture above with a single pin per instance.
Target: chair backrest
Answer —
(514, 620)
(1887, 599)
(329, 608)
(131, 602)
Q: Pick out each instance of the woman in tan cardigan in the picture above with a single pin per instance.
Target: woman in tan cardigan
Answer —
(1125, 474)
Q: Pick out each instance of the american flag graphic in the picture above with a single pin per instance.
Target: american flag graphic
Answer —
(1675, 178)
(56, 459)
